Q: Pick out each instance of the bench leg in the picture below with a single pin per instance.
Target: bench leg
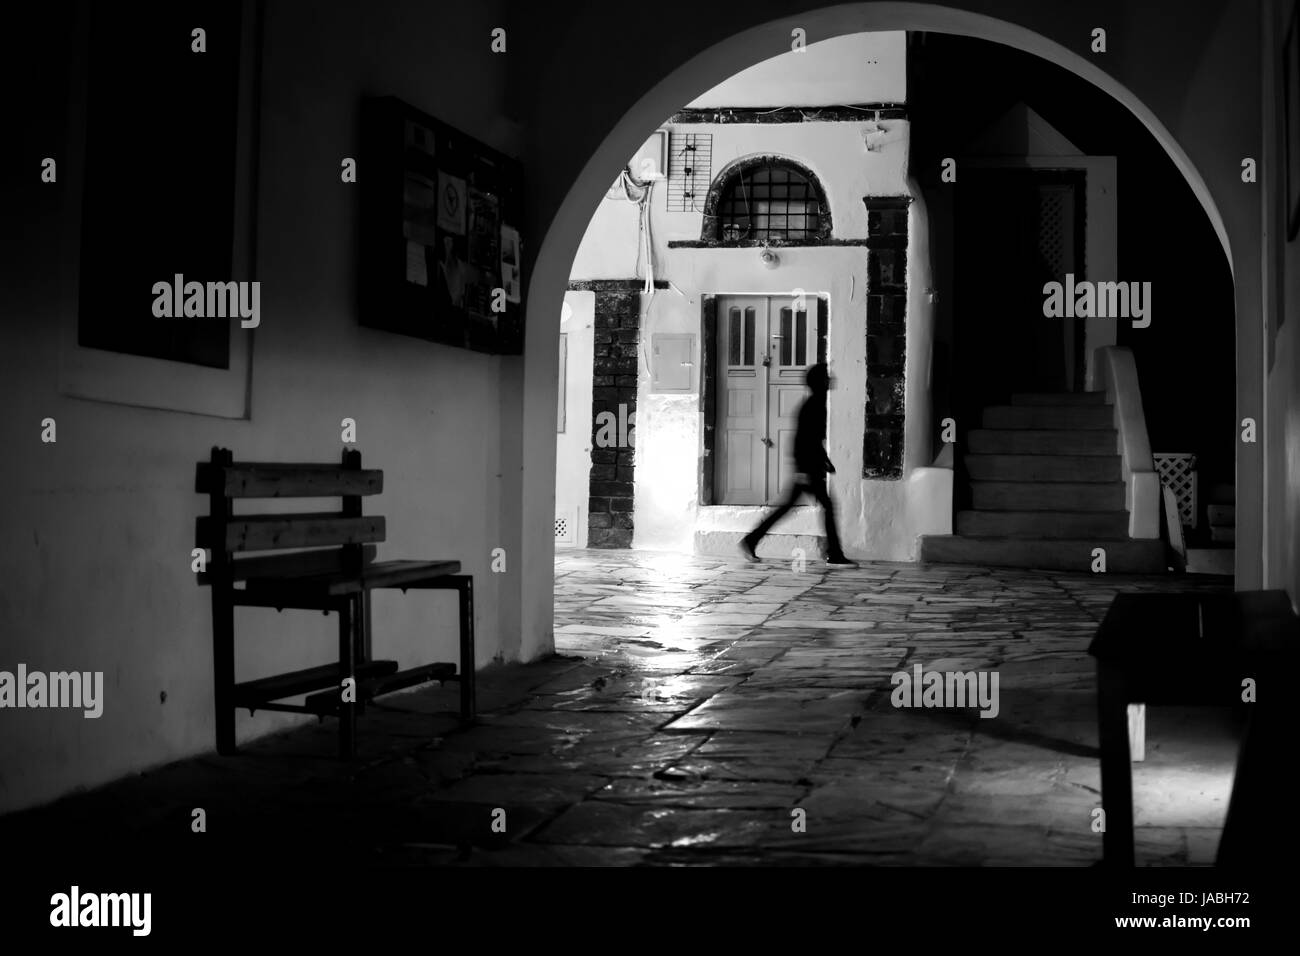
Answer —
(468, 701)
(223, 672)
(364, 650)
(349, 615)
(1116, 769)
(361, 630)
(1137, 731)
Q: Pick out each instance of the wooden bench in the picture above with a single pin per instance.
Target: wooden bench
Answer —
(1190, 650)
(326, 563)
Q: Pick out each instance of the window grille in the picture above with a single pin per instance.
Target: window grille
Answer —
(769, 203)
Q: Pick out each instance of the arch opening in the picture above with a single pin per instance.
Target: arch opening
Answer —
(743, 50)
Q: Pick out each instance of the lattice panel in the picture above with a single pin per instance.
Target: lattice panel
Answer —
(566, 529)
(1051, 230)
(690, 170)
(1178, 471)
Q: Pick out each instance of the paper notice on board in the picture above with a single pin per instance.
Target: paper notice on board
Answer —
(484, 230)
(419, 208)
(452, 201)
(416, 269)
(419, 138)
(510, 263)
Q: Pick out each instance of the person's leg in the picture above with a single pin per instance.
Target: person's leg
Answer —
(834, 551)
(752, 539)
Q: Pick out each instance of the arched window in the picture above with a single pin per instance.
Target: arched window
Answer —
(768, 200)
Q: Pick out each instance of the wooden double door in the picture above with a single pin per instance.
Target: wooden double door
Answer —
(766, 345)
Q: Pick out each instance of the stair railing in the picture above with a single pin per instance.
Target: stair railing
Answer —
(1117, 371)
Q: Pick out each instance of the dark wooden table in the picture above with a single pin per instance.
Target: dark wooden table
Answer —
(1180, 649)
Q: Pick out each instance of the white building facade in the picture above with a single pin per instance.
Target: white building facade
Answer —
(768, 225)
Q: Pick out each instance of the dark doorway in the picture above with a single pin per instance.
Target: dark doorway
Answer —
(1015, 229)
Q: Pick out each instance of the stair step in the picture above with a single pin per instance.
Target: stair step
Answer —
(1222, 516)
(1211, 561)
(1059, 398)
(1222, 494)
(1128, 556)
(1043, 524)
(1047, 496)
(1044, 467)
(1049, 416)
(1221, 535)
(1024, 441)
(776, 547)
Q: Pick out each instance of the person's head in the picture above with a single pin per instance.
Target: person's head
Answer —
(819, 378)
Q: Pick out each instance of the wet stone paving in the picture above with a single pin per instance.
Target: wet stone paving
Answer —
(705, 711)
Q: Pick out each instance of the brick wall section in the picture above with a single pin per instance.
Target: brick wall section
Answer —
(708, 394)
(614, 370)
(882, 451)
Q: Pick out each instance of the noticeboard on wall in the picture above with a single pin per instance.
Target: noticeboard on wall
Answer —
(440, 245)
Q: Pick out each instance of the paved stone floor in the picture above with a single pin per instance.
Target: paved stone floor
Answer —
(705, 711)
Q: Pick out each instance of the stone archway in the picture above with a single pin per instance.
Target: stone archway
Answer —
(681, 85)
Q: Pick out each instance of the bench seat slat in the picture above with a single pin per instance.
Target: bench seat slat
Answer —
(383, 574)
(252, 479)
(308, 530)
(293, 683)
(295, 565)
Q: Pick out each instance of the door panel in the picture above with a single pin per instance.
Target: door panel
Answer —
(743, 486)
(741, 402)
(793, 328)
(789, 403)
(742, 412)
(787, 400)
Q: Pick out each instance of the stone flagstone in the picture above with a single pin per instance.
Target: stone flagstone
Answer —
(703, 711)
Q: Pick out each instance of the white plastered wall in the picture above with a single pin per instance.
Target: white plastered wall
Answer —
(878, 518)
(573, 445)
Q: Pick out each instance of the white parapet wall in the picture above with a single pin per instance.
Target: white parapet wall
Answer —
(930, 489)
(1117, 373)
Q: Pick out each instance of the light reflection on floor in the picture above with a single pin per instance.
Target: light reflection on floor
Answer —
(801, 664)
(694, 707)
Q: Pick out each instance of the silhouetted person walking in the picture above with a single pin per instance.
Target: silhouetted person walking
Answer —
(814, 465)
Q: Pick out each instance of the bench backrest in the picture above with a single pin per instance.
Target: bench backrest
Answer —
(334, 540)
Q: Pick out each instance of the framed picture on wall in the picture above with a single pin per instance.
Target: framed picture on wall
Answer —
(440, 248)
(113, 347)
(1291, 107)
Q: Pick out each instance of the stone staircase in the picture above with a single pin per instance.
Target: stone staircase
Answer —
(1220, 557)
(1223, 523)
(1046, 489)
